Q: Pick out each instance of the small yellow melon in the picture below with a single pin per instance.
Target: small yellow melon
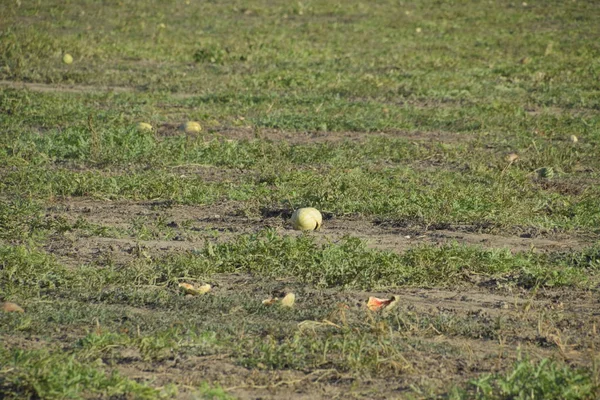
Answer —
(307, 219)
(144, 127)
(68, 59)
(288, 300)
(512, 157)
(191, 127)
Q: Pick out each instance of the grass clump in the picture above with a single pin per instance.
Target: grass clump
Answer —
(51, 374)
(19, 220)
(350, 263)
(25, 269)
(529, 380)
(85, 370)
(350, 350)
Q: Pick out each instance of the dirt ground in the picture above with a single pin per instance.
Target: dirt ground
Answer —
(545, 323)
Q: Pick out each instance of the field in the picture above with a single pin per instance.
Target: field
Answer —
(452, 148)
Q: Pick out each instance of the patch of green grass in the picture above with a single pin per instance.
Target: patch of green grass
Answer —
(83, 371)
(27, 269)
(55, 375)
(348, 351)
(351, 264)
(435, 198)
(346, 264)
(317, 48)
(140, 300)
(20, 220)
(428, 184)
(209, 392)
(400, 194)
(44, 183)
(545, 379)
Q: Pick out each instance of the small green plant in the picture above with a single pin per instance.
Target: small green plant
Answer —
(158, 346)
(208, 392)
(213, 54)
(19, 219)
(546, 172)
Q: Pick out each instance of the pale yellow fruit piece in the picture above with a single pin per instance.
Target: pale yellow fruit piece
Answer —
(203, 289)
(512, 157)
(68, 59)
(188, 288)
(288, 300)
(574, 139)
(11, 307)
(270, 301)
(191, 127)
(144, 127)
(307, 219)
